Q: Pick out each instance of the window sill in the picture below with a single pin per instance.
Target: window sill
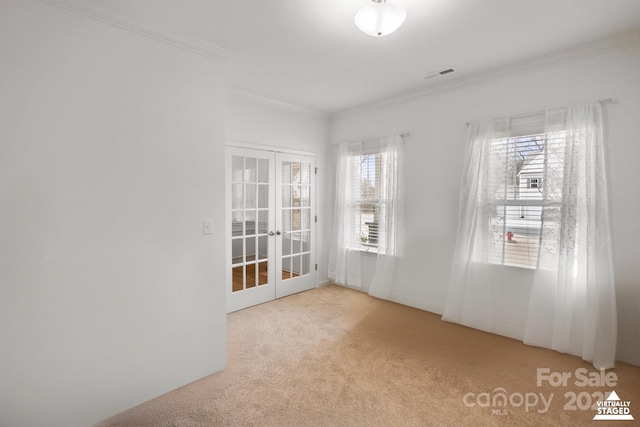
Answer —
(509, 267)
(365, 249)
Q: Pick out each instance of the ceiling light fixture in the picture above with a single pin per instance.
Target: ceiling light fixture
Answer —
(380, 18)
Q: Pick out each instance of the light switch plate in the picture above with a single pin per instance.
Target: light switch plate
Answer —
(207, 226)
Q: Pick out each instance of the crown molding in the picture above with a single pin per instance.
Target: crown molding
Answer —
(600, 47)
(276, 103)
(145, 28)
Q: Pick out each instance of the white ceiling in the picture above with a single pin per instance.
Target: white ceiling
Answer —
(309, 53)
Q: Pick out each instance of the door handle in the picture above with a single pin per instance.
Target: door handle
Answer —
(278, 232)
(271, 233)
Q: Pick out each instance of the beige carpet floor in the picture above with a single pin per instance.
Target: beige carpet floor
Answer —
(337, 357)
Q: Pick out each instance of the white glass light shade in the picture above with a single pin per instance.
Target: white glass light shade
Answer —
(380, 19)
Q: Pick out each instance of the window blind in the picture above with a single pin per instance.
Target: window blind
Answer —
(365, 180)
(527, 167)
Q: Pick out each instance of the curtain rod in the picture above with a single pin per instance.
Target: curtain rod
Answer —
(403, 135)
(520, 116)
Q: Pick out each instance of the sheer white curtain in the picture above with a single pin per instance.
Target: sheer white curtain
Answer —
(344, 259)
(345, 253)
(572, 303)
(479, 288)
(572, 307)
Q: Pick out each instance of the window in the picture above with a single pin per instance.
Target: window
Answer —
(571, 304)
(535, 182)
(367, 211)
(366, 201)
(522, 164)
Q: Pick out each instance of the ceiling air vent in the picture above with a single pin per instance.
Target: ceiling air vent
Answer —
(439, 73)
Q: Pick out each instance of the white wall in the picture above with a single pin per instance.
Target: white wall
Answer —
(111, 156)
(249, 120)
(433, 167)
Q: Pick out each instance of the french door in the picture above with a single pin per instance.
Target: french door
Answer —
(270, 225)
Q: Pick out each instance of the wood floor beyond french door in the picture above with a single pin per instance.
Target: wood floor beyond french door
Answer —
(270, 225)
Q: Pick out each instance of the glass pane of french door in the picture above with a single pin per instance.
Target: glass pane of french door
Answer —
(250, 222)
(250, 177)
(295, 178)
(296, 223)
